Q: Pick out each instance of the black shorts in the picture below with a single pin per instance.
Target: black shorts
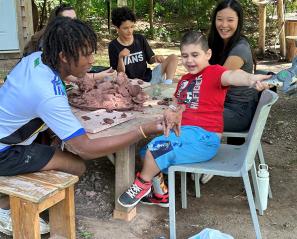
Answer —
(21, 159)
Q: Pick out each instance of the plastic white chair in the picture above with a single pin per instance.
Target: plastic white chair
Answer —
(261, 159)
(231, 161)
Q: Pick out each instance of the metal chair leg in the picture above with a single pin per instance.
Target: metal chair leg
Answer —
(250, 198)
(172, 226)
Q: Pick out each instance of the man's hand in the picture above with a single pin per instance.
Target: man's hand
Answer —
(153, 127)
(124, 52)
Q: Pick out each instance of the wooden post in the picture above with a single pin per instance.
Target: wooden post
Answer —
(291, 38)
(25, 218)
(125, 174)
(62, 216)
(262, 28)
(281, 27)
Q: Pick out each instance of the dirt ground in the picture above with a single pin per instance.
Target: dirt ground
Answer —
(223, 204)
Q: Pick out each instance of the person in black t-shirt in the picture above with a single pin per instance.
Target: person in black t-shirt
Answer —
(131, 52)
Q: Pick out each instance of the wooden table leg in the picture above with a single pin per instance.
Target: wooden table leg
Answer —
(124, 176)
(25, 219)
(62, 216)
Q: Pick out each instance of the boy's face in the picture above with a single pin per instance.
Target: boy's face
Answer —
(77, 69)
(194, 58)
(126, 30)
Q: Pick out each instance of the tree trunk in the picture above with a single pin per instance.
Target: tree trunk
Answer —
(281, 27)
(122, 3)
(151, 15)
(133, 6)
(42, 15)
(34, 15)
(262, 28)
(109, 15)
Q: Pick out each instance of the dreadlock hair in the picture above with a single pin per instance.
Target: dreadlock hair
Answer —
(122, 14)
(196, 38)
(70, 36)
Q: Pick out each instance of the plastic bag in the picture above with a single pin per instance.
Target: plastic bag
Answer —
(209, 233)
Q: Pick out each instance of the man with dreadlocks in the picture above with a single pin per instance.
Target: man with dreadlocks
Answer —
(34, 97)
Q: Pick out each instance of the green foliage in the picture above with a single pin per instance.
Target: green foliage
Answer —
(86, 235)
(291, 6)
(141, 6)
(173, 17)
(159, 33)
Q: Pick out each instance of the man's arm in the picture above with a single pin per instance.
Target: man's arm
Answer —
(93, 148)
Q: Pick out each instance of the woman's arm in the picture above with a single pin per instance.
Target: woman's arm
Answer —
(233, 62)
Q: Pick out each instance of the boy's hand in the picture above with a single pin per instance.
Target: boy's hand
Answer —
(124, 52)
(258, 82)
(172, 121)
(159, 58)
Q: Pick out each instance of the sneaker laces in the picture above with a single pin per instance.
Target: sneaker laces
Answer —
(133, 190)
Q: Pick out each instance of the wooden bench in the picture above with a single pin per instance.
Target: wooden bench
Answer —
(30, 194)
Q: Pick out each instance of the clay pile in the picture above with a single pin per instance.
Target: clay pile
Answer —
(109, 94)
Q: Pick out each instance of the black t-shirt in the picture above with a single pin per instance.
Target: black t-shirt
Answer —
(136, 62)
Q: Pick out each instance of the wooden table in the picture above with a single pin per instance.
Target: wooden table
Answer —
(125, 158)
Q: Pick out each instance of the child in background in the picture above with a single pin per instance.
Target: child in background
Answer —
(131, 52)
(193, 125)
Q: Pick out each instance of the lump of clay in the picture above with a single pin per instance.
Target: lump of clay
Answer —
(116, 94)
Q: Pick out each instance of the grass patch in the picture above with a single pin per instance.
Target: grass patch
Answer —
(101, 58)
(86, 234)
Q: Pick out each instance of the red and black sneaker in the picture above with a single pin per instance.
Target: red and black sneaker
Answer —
(161, 200)
(135, 192)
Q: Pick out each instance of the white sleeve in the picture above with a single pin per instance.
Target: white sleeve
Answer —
(57, 114)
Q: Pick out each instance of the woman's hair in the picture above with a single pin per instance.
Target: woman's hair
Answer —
(196, 38)
(122, 14)
(57, 11)
(70, 36)
(215, 42)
